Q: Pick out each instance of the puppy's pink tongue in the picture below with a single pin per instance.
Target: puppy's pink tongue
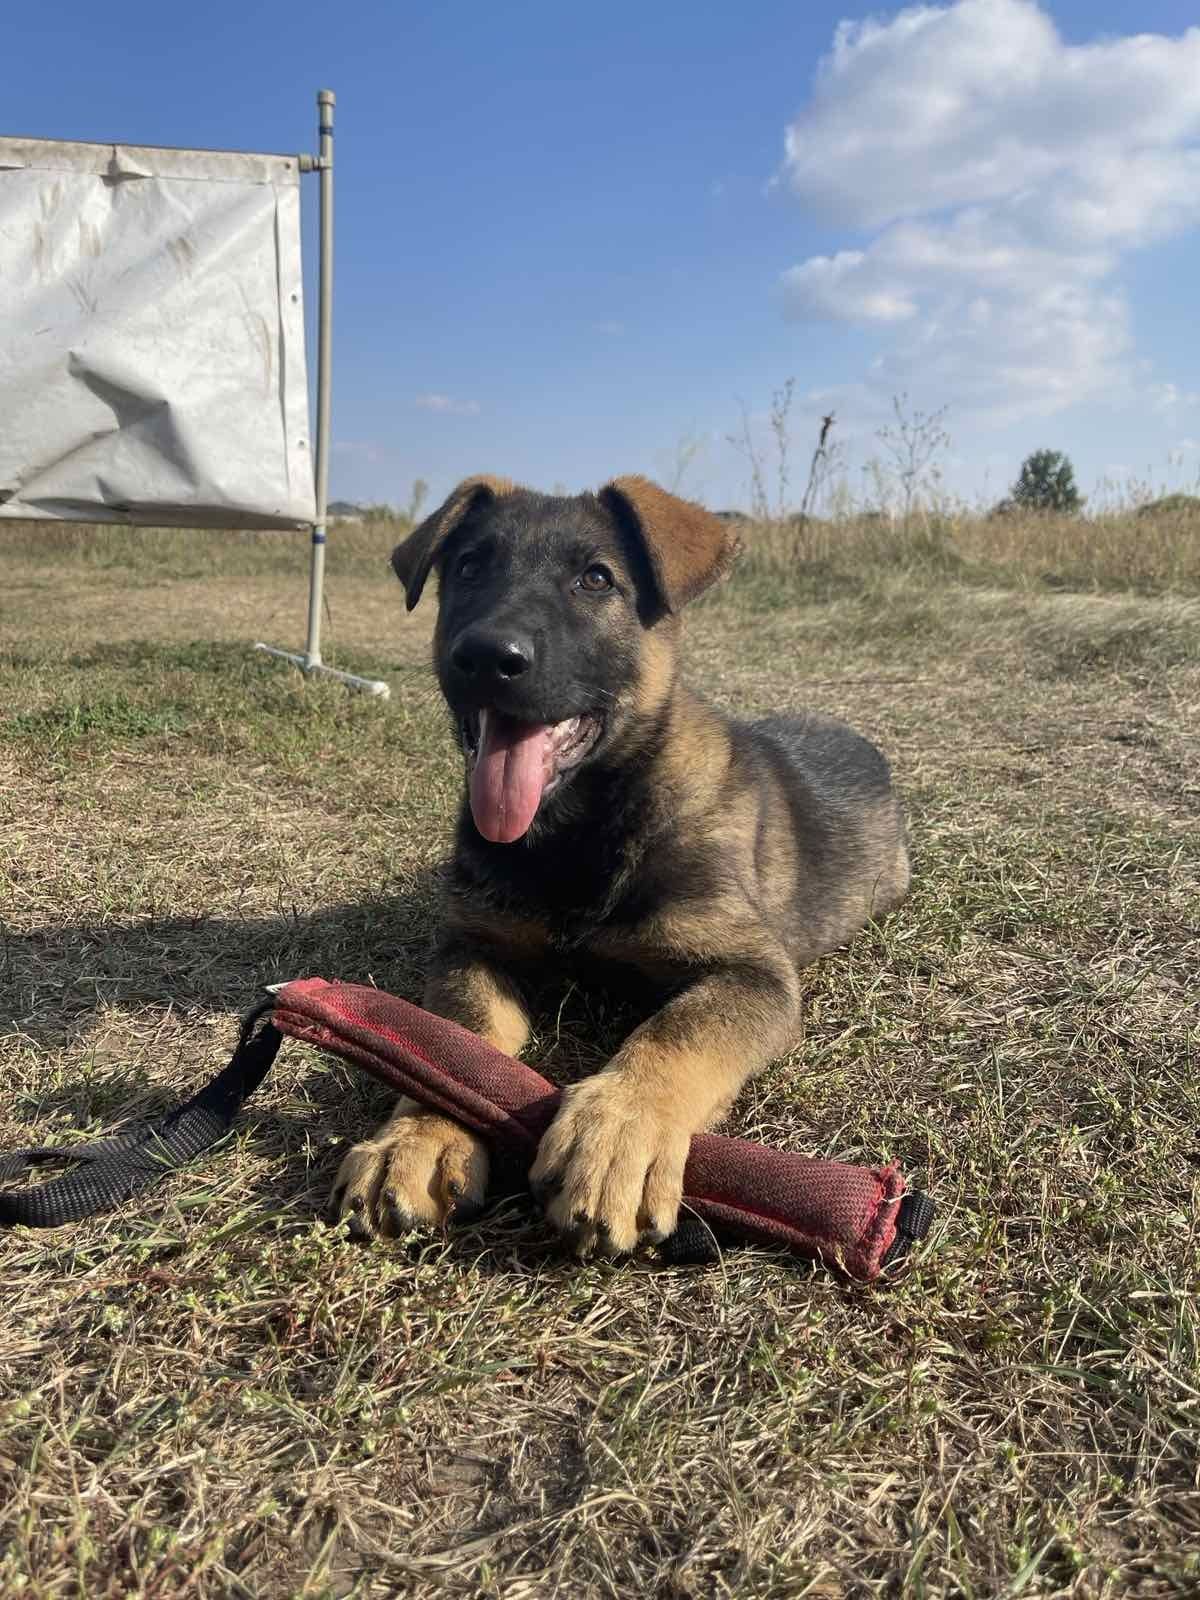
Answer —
(509, 776)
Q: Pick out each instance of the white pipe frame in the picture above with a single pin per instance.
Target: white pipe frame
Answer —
(310, 661)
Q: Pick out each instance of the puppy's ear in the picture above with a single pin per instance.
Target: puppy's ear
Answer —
(412, 560)
(687, 548)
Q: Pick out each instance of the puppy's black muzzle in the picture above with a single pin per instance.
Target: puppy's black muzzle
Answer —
(491, 658)
(499, 667)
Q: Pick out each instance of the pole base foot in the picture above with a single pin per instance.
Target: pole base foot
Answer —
(369, 686)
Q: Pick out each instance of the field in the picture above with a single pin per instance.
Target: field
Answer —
(213, 1394)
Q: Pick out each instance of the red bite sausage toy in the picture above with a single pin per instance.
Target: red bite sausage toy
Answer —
(852, 1216)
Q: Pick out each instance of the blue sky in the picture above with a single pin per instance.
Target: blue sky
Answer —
(571, 238)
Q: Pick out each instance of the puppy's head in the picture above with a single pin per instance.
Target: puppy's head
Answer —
(556, 626)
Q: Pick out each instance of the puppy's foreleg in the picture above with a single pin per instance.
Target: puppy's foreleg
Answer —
(610, 1166)
(422, 1168)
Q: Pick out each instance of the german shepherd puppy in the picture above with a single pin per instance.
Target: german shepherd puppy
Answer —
(611, 812)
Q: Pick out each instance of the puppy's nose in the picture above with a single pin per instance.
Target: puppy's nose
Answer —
(499, 657)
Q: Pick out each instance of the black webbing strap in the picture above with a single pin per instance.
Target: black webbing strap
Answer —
(913, 1221)
(111, 1170)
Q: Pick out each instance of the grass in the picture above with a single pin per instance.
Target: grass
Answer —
(210, 1393)
(1118, 552)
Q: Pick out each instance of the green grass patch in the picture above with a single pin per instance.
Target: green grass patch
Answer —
(101, 720)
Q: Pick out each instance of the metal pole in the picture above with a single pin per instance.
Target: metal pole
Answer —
(316, 587)
(311, 661)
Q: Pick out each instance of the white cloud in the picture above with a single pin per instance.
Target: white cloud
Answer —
(447, 405)
(1001, 176)
(610, 329)
(846, 287)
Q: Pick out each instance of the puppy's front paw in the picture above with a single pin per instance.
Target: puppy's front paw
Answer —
(609, 1170)
(418, 1170)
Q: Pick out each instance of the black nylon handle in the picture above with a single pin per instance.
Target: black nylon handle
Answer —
(913, 1221)
(112, 1170)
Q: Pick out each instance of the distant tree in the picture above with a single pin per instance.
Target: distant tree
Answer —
(1047, 483)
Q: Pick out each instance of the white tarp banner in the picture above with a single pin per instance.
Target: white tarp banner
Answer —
(152, 337)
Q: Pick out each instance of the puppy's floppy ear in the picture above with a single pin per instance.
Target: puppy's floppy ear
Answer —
(412, 559)
(686, 546)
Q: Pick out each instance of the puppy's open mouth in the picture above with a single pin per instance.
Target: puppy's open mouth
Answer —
(513, 765)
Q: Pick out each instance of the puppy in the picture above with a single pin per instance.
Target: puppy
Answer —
(613, 814)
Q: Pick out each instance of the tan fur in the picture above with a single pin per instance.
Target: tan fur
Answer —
(695, 763)
(418, 1170)
(891, 883)
(422, 1168)
(689, 547)
(484, 999)
(724, 928)
(612, 1161)
(658, 667)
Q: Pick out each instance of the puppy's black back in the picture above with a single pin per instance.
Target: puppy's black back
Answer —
(845, 819)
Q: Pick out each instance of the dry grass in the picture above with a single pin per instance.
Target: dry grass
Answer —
(211, 1394)
(1122, 551)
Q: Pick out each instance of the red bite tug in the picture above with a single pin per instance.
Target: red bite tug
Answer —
(856, 1218)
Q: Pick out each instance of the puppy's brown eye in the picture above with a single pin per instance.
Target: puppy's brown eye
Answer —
(596, 578)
